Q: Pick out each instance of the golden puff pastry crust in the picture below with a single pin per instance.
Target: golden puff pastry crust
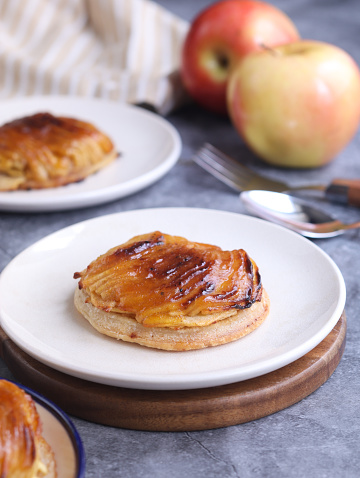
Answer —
(125, 327)
(166, 292)
(45, 151)
(24, 453)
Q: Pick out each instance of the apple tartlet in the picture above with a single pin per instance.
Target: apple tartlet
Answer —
(46, 151)
(169, 293)
(23, 450)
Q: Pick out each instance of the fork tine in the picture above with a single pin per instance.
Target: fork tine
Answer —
(220, 173)
(243, 177)
(222, 168)
(227, 161)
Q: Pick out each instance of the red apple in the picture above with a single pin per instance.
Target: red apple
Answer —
(222, 34)
(296, 105)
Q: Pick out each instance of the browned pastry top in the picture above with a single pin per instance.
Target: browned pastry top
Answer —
(159, 277)
(19, 428)
(42, 151)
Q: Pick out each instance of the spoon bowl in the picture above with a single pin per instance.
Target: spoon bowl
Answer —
(293, 213)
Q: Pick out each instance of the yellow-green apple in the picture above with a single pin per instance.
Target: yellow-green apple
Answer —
(220, 35)
(296, 105)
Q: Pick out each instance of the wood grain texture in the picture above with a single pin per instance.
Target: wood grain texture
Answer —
(183, 410)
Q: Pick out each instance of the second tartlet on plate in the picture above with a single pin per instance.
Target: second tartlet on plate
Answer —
(45, 151)
(37, 439)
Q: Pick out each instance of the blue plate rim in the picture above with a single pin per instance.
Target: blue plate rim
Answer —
(65, 421)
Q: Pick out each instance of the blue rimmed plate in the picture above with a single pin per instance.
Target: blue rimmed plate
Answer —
(61, 434)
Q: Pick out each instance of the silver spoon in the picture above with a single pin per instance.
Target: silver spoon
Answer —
(293, 213)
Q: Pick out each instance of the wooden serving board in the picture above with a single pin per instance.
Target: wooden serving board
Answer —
(182, 410)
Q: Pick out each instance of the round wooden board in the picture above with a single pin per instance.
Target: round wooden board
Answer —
(182, 410)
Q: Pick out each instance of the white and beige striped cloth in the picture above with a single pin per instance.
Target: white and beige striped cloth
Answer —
(124, 50)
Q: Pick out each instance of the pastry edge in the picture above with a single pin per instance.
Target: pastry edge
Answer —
(126, 328)
(15, 183)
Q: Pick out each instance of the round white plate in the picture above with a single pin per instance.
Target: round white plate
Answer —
(149, 147)
(306, 290)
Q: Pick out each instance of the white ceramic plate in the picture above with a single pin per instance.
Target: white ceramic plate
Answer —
(306, 290)
(62, 436)
(149, 147)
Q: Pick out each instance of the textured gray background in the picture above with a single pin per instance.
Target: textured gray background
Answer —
(318, 437)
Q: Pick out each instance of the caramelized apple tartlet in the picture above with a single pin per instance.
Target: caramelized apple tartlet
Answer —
(23, 451)
(45, 151)
(166, 292)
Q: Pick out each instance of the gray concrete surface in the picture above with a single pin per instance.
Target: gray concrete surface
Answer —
(317, 437)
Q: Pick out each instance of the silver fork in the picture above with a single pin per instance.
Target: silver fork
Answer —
(241, 178)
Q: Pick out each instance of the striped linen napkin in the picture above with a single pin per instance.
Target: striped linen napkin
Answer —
(123, 50)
